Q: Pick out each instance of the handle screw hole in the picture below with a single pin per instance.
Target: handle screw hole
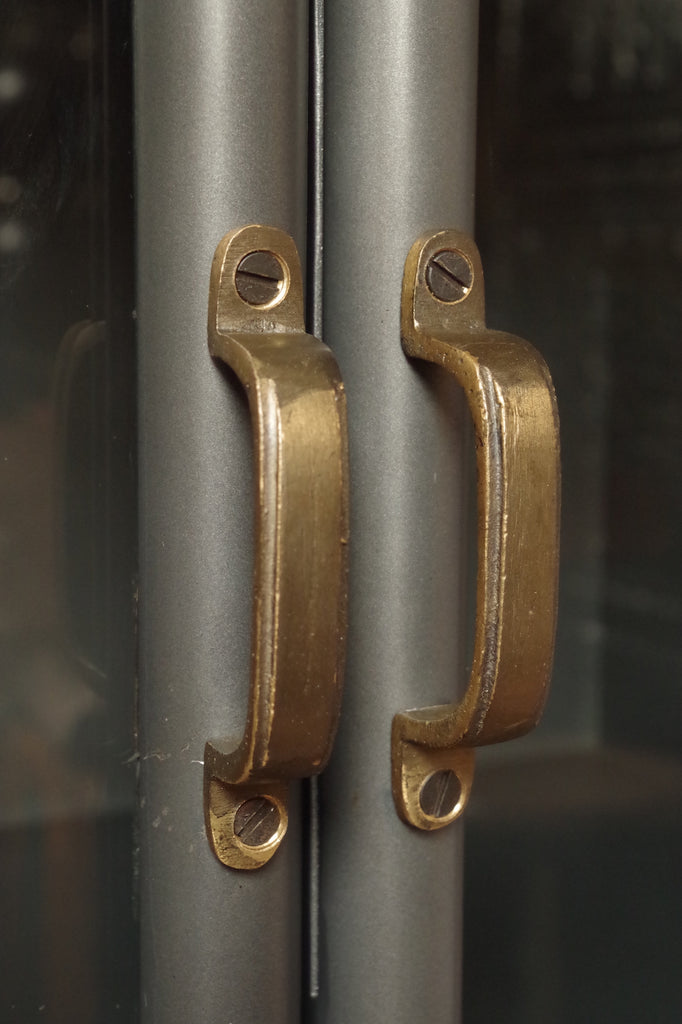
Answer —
(449, 275)
(257, 821)
(440, 793)
(261, 279)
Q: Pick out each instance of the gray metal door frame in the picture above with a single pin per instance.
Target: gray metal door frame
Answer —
(399, 161)
(223, 126)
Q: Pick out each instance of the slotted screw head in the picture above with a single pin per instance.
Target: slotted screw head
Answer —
(257, 821)
(449, 275)
(260, 279)
(440, 793)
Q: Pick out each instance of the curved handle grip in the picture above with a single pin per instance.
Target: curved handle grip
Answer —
(298, 414)
(512, 403)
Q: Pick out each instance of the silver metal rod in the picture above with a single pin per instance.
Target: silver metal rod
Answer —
(221, 108)
(400, 90)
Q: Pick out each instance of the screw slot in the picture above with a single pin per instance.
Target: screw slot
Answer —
(449, 275)
(440, 793)
(261, 279)
(257, 821)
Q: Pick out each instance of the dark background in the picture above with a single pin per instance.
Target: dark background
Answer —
(573, 884)
(68, 943)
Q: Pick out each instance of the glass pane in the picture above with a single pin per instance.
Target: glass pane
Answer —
(573, 909)
(67, 514)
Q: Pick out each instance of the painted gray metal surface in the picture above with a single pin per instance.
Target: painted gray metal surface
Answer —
(399, 160)
(221, 141)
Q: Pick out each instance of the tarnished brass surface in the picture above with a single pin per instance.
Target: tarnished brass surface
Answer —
(512, 403)
(298, 413)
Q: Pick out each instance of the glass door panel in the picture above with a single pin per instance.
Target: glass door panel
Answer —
(573, 887)
(68, 946)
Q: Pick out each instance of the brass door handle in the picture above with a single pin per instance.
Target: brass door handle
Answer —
(298, 413)
(512, 403)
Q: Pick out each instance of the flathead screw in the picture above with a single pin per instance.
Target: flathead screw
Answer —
(256, 821)
(449, 275)
(440, 793)
(260, 279)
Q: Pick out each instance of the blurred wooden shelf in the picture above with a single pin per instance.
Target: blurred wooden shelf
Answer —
(581, 784)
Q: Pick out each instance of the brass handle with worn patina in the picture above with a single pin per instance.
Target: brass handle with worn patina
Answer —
(512, 403)
(298, 415)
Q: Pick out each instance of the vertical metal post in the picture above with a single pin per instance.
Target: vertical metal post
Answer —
(221, 109)
(399, 160)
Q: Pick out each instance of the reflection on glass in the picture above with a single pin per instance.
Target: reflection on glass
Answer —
(67, 515)
(574, 888)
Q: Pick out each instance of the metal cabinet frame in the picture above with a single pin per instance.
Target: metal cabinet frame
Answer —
(355, 136)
